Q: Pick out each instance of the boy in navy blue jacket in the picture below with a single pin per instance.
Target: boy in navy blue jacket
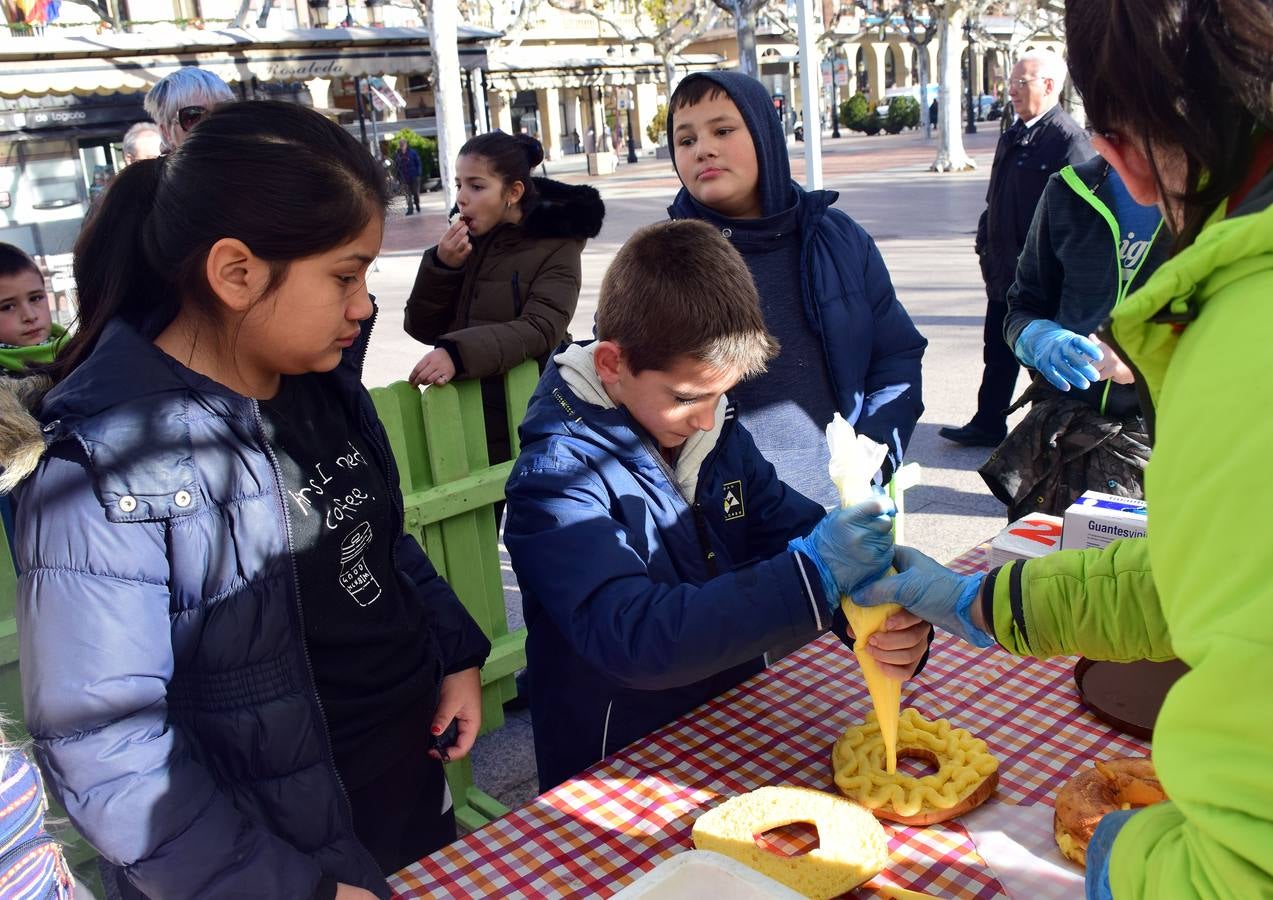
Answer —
(657, 551)
(848, 345)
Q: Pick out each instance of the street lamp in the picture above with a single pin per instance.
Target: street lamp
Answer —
(972, 123)
(632, 157)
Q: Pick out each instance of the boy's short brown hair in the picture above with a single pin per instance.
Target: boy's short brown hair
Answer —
(679, 289)
(693, 91)
(14, 260)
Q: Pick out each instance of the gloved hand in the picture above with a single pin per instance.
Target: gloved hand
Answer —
(850, 547)
(931, 591)
(1098, 848)
(1059, 355)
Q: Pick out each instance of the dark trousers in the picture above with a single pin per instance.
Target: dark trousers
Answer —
(411, 189)
(398, 816)
(999, 378)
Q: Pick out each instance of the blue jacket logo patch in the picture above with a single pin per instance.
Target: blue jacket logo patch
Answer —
(734, 508)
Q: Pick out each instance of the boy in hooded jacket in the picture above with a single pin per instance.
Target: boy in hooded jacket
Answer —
(657, 551)
(848, 345)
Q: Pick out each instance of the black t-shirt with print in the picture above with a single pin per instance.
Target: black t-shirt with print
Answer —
(367, 640)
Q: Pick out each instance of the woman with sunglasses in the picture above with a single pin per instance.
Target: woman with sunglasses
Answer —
(1178, 94)
(180, 99)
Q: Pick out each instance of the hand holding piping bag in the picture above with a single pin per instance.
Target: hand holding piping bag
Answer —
(855, 459)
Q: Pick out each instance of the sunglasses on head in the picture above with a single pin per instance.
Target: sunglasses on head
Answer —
(189, 116)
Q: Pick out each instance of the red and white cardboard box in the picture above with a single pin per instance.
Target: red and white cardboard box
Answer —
(1032, 536)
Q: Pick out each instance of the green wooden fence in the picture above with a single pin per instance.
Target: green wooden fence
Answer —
(449, 490)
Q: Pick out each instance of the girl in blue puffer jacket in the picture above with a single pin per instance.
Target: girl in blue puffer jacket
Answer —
(233, 659)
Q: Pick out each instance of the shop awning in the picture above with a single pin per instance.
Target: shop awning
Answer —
(128, 63)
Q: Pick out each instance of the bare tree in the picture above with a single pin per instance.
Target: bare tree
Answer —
(448, 92)
(942, 20)
(951, 155)
(745, 13)
(668, 26)
(113, 14)
(920, 35)
(514, 20)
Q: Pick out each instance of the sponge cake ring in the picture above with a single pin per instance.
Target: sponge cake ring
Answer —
(852, 847)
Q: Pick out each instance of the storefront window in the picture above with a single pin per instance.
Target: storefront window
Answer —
(100, 161)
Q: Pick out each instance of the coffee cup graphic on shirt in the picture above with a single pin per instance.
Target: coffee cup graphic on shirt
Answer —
(355, 576)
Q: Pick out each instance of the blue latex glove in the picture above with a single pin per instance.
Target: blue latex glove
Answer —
(1098, 848)
(1059, 355)
(850, 547)
(931, 591)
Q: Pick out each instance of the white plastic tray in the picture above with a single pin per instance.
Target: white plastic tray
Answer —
(695, 874)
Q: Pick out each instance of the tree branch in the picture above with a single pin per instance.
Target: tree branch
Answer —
(584, 8)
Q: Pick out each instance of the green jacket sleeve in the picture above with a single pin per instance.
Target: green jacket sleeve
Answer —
(1100, 603)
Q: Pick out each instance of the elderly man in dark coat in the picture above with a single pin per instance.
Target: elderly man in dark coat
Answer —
(1043, 140)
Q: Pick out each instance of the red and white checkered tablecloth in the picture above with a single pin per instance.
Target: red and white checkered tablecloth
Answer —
(597, 833)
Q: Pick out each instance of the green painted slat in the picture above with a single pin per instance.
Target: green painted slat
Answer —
(454, 498)
(486, 804)
(519, 384)
(8, 641)
(449, 490)
(473, 425)
(508, 654)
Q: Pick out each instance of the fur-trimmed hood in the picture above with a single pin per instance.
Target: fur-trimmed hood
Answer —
(21, 434)
(564, 211)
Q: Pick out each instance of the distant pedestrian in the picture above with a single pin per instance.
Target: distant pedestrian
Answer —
(179, 100)
(618, 137)
(1042, 142)
(932, 114)
(409, 171)
(574, 141)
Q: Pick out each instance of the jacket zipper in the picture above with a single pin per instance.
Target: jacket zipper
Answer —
(517, 294)
(300, 611)
(27, 846)
(1106, 333)
(704, 540)
(389, 469)
(1121, 290)
(695, 506)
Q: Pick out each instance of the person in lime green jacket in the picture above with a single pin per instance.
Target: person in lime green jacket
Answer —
(1178, 94)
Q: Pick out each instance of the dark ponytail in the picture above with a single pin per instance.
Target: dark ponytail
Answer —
(511, 157)
(277, 176)
(1189, 75)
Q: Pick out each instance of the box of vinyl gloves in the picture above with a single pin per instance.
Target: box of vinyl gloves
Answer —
(1096, 519)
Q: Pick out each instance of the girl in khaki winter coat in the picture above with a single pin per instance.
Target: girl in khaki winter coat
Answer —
(502, 284)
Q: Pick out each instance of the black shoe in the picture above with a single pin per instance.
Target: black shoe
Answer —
(972, 436)
(409, 212)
